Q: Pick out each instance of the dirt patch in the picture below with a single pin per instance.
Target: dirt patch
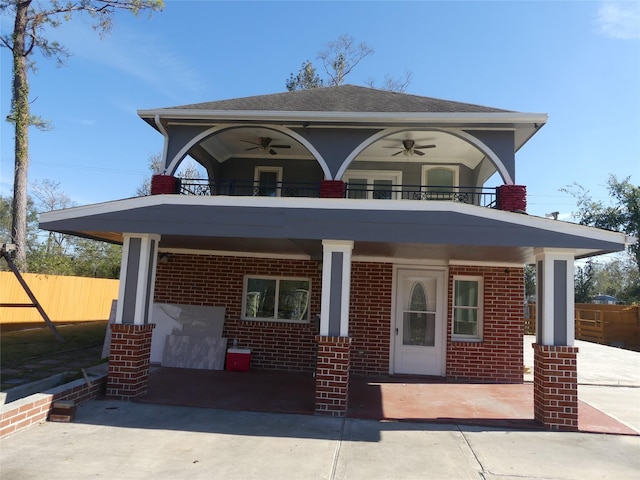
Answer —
(34, 353)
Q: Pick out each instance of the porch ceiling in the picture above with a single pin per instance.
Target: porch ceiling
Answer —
(241, 143)
(312, 249)
(384, 229)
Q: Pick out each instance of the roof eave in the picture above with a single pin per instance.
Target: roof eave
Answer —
(345, 117)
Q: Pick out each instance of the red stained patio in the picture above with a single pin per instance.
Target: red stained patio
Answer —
(397, 398)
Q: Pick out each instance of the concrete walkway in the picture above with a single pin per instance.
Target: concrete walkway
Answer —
(129, 440)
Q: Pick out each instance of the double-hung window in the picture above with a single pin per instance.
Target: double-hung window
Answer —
(467, 308)
(280, 299)
(440, 181)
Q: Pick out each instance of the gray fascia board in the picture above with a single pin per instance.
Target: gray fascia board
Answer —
(386, 118)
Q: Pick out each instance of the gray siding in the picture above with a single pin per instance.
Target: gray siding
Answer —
(292, 170)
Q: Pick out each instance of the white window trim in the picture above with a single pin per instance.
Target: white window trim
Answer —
(277, 278)
(260, 169)
(468, 338)
(454, 168)
(394, 175)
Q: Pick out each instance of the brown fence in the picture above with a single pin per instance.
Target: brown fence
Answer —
(616, 325)
(64, 299)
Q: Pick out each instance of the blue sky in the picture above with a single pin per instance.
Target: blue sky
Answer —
(577, 61)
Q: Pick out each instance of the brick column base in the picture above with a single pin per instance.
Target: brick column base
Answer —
(129, 360)
(555, 387)
(332, 375)
(512, 198)
(161, 184)
(332, 189)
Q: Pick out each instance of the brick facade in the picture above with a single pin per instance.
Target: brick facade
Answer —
(555, 387)
(129, 360)
(218, 281)
(370, 317)
(498, 358)
(332, 375)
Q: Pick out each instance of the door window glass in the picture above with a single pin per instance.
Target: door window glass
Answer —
(418, 324)
(382, 189)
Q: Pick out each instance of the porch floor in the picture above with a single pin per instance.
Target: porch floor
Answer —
(400, 398)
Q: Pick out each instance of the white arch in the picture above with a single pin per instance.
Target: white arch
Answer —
(504, 173)
(175, 161)
(356, 151)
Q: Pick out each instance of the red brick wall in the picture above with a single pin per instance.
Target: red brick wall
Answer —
(499, 357)
(218, 281)
(370, 317)
(35, 409)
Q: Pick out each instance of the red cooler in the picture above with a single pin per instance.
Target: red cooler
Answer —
(238, 359)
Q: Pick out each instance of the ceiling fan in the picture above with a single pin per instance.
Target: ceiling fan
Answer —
(409, 147)
(264, 144)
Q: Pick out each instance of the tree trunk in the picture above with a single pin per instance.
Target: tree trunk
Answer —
(21, 113)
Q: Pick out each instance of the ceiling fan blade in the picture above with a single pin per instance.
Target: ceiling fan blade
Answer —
(272, 151)
(265, 142)
(425, 146)
(252, 143)
(418, 152)
(281, 146)
(252, 148)
(397, 153)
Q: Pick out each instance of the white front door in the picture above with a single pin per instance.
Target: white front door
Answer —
(419, 322)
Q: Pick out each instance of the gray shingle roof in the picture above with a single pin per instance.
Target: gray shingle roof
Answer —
(343, 98)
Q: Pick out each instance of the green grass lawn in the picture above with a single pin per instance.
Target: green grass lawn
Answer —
(21, 346)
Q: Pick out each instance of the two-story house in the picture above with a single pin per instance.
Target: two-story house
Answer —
(348, 230)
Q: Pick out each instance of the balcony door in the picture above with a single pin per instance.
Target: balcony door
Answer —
(419, 344)
(267, 181)
(373, 184)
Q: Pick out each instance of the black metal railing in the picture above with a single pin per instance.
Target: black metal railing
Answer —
(485, 197)
(250, 188)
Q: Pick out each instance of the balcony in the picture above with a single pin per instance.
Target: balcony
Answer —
(484, 197)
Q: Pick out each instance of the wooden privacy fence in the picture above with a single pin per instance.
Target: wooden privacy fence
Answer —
(616, 325)
(65, 299)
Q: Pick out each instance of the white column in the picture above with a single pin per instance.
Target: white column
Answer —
(137, 278)
(555, 322)
(336, 287)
